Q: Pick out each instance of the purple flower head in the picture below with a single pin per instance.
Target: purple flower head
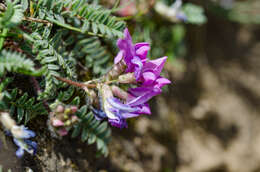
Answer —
(151, 71)
(115, 111)
(139, 70)
(133, 55)
(107, 110)
(123, 111)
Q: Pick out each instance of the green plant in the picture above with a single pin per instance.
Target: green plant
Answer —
(41, 40)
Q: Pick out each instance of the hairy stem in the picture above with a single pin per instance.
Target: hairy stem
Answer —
(31, 19)
(80, 85)
(38, 91)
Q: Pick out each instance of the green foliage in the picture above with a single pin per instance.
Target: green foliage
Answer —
(21, 106)
(95, 55)
(194, 13)
(92, 130)
(12, 16)
(51, 58)
(81, 17)
(88, 128)
(15, 62)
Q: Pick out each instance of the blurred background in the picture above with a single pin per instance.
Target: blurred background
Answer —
(208, 119)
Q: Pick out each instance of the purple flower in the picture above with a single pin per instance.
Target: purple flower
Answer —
(151, 70)
(115, 111)
(107, 110)
(139, 70)
(133, 55)
(151, 82)
(123, 111)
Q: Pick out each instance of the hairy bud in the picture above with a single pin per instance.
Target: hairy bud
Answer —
(127, 78)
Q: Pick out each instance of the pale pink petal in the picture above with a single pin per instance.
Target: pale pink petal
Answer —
(119, 57)
(62, 132)
(149, 78)
(57, 123)
(142, 49)
(73, 109)
(144, 109)
(155, 65)
(162, 81)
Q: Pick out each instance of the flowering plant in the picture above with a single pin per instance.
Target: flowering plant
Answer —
(56, 60)
(140, 71)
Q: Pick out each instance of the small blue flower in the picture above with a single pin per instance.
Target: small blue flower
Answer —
(27, 145)
(21, 135)
(21, 132)
(182, 16)
(99, 114)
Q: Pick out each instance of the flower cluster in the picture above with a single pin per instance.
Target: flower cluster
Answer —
(139, 71)
(20, 135)
(62, 119)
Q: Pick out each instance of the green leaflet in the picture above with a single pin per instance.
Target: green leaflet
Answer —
(81, 17)
(24, 107)
(15, 62)
(12, 16)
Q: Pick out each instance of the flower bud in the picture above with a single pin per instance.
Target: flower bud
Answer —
(73, 109)
(118, 92)
(67, 123)
(57, 123)
(60, 109)
(62, 119)
(127, 78)
(106, 91)
(62, 132)
(67, 111)
(74, 119)
(117, 69)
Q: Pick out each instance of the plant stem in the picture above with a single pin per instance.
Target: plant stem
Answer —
(38, 91)
(67, 26)
(31, 19)
(80, 85)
